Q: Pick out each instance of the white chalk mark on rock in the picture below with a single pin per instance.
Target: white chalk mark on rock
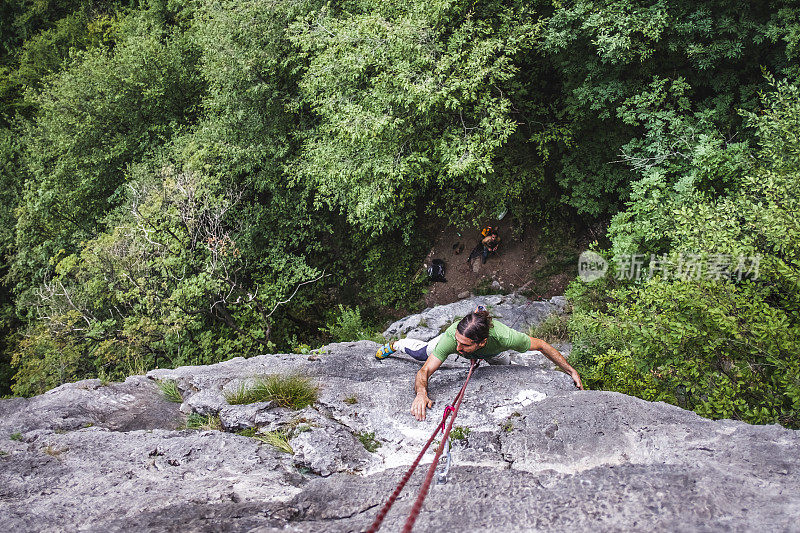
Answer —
(524, 398)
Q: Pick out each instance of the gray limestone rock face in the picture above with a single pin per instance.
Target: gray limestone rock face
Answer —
(93, 478)
(326, 447)
(135, 404)
(239, 417)
(205, 402)
(611, 499)
(539, 455)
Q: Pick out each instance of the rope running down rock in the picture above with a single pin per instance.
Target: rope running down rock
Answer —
(423, 492)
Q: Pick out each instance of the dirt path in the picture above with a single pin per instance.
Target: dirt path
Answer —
(544, 269)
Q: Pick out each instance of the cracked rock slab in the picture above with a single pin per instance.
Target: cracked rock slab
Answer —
(561, 460)
(328, 447)
(135, 404)
(88, 478)
(606, 498)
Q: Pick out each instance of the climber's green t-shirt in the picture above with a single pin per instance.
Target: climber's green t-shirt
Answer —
(501, 338)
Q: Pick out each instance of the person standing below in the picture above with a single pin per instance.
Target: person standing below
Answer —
(490, 241)
(474, 336)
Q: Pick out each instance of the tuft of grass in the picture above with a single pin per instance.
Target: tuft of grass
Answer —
(294, 391)
(197, 421)
(299, 421)
(247, 432)
(371, 444)
(302, 428)
(552, 329)
(105, 379)
(278, 439)
(53, 451)
(4, 453)
(460, 433)
(351, 400)
(242, 395)
(169, 388)
(508, 427)
(136, 367)
(484, 287)
(16, 436)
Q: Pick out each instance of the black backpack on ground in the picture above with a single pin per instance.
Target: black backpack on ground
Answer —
(436, 271)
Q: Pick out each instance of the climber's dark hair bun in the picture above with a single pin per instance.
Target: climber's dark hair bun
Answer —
(476, 325)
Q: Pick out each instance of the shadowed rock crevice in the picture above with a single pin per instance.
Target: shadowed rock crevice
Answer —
(212, 518)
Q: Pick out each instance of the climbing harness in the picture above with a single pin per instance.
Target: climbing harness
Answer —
(451, 411)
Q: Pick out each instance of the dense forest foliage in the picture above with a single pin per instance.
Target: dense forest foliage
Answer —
(184, 181)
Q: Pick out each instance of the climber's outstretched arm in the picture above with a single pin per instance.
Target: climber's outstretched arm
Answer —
(556, 357)
(422, 402)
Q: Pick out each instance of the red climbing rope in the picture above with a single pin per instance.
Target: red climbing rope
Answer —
(415, 510)
(376, 524)
(426, 485)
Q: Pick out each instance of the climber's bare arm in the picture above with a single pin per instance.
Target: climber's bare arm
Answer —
(422, 402)
(556, 357)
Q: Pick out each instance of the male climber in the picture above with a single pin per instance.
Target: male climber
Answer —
(474, 336)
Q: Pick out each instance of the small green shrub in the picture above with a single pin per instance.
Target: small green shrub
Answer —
(302, 348)
(278, 439)
(484, 287)
(294, 391)
(16, 436)
(169, 388)
(105, 379)
(552, 329)
(348, 325)
(460, 433)
(247, 432)
(351, 400)
(371, 444)
(716, 348)
(198, 421)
